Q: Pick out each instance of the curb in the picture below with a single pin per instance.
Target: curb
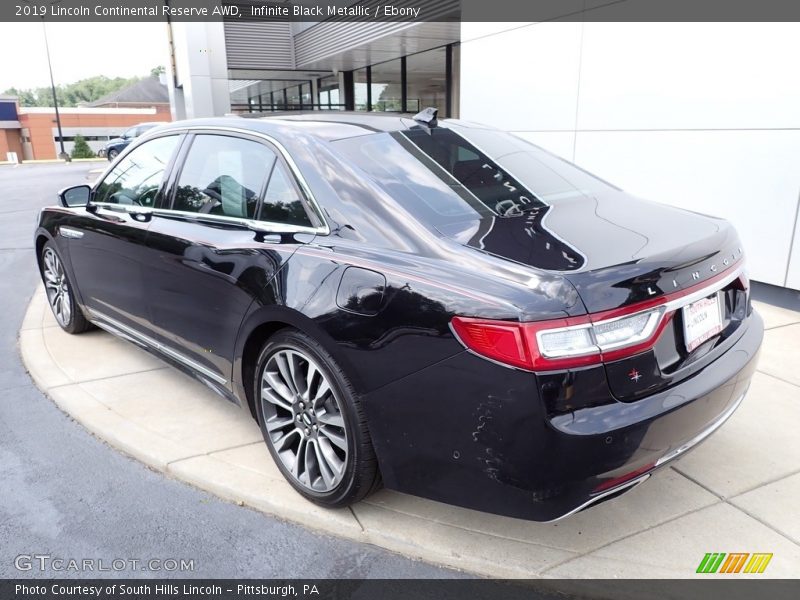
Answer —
(52, 161)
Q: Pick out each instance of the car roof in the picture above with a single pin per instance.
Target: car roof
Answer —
(325, 125)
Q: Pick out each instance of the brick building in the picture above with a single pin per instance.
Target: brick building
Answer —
(32, 132)
(10, 138)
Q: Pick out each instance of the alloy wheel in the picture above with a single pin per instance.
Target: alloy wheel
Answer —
(303, 420)
(57, 287)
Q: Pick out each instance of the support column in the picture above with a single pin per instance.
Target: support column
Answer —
(198, 85)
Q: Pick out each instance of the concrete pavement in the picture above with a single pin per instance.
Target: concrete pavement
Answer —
(735, 493)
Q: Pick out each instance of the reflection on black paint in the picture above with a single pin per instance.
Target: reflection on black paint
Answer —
(524, 239)
(410, 313)
(514, 226)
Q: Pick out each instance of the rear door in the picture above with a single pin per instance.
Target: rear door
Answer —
(108, 249)
(211, 252)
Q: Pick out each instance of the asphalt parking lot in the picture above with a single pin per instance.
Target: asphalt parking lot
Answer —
(735, 493)
(65, 493)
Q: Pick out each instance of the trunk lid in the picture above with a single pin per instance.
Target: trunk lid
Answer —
(615, 249)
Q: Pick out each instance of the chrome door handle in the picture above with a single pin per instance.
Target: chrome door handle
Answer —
(143, 215)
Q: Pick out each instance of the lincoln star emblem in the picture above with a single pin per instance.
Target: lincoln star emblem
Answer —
(635, 375)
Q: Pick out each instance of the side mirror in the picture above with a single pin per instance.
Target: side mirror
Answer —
(75, 196)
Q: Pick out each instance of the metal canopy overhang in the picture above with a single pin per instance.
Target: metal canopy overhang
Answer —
(321, 50)
(385, 42)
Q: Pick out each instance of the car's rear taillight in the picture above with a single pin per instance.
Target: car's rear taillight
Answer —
(497, 340)
(586, 340)
(559, 344)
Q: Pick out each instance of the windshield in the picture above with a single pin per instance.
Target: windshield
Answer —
(450, 174)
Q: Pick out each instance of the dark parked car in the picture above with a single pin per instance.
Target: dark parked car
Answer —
(116, 145)
(437, 305)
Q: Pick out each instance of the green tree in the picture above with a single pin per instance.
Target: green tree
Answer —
(26, 97)
(85, 90)
(81, 149)
(156, 71)
(91, 89)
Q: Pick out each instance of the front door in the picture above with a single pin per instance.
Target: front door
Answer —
(107, 258)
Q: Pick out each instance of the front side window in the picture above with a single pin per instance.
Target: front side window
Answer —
(223, 176)
(136, 179)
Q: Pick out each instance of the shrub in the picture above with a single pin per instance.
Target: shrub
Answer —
(81, 149)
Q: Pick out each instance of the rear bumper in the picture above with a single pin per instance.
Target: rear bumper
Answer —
(475, 434)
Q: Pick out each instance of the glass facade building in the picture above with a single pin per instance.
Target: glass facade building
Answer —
(406, 84)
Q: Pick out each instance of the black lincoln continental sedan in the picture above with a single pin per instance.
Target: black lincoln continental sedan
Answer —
(433, 306)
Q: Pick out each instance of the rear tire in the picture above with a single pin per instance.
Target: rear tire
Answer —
(313, 422)
(59, 292)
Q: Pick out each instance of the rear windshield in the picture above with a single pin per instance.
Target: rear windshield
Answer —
(450, 174)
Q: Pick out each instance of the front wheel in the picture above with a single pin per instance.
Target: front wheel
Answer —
(59, 292)
(312, 422)
(112, 154)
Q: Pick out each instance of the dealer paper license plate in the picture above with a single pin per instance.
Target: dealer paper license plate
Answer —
(702, 320)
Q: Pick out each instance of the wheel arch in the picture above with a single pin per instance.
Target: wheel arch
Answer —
(41, 238)
(265, 322)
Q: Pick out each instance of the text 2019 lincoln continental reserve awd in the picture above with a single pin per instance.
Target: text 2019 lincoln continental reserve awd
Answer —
(437, 307)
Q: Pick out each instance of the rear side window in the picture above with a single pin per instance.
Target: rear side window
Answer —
(136, 179)
(223, 175)
(282, 202)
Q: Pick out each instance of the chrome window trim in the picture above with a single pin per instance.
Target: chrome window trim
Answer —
(265, 226)
(104, 321)
(262, 226)
(133, 209)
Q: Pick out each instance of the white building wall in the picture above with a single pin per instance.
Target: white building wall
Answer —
(703, 116)
(201, 71)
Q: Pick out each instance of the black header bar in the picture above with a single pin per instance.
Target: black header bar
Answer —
(401, 10)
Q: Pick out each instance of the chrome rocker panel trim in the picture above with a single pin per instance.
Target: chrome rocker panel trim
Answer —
(115, 327)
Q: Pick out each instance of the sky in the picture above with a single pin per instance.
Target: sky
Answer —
(78, 51)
